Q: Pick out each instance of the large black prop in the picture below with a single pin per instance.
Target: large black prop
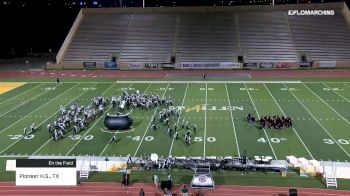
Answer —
(118, 122)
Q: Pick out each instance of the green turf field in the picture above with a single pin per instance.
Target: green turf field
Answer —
(320, 112)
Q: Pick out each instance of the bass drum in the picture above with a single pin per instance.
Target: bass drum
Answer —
(118, 122)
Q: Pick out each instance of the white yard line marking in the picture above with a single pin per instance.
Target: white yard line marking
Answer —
(267, 137)
(115, 133)
(211, 82)
(88, 131)
(205, 118)
(64, 92)
(13, 156)
(177, 122)
(56, 113)
(326, 103)
(24, 103)
(337, 93)
(296, 133)
(150, 123)
(21, 93)
(192, 81)
(233, 123)
(317, 120)
(346, 84)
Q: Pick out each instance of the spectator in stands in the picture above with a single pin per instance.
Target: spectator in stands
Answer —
(184, 191)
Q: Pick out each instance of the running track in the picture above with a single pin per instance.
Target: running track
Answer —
(164, 73)
(111, 188)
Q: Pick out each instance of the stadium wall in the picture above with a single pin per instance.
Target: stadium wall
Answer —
(69, 37)
(336, 5)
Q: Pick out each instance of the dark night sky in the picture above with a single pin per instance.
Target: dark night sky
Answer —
(43, 24)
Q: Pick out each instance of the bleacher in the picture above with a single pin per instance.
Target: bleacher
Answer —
(149, 39)
(206, 34)
(97, 36)
(266, 37)
(325, 37)
(203, 37)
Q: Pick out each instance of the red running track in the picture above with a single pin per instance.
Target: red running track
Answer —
(116, 189)
(164, 73)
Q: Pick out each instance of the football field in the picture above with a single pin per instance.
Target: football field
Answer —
(320, 113)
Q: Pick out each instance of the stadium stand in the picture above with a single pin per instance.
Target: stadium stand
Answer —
(149, 38)
(266, 37)
(206, 37)
(97, 36)
(325, 37)
(263, 34)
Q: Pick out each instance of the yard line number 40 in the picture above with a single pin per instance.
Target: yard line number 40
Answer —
(273, 140)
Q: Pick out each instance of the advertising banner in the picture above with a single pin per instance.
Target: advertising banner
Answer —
(208, 65)
(152, 65)
(168, 65)
(250, 65)
(305, 64)
(284, 65)
(136, 65)
(266, 65)
(328, 64)
(110, 65)
(89, 65)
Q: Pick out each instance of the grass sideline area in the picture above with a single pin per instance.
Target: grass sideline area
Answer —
(318, 106)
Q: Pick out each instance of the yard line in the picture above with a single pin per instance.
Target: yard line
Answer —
(24, 103)
(316, 120)
(150, 123)
(233, 123)
(292, 127)
(25, 115)
(56, 113)
(326, 104)
(178, 118)
(346, 84)
(268, 139)
(42, 121)
(336, 93)
(211, 82)
(104, 149)
(93, 124)
(22, 93)
(195, 82)
(205, 118)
